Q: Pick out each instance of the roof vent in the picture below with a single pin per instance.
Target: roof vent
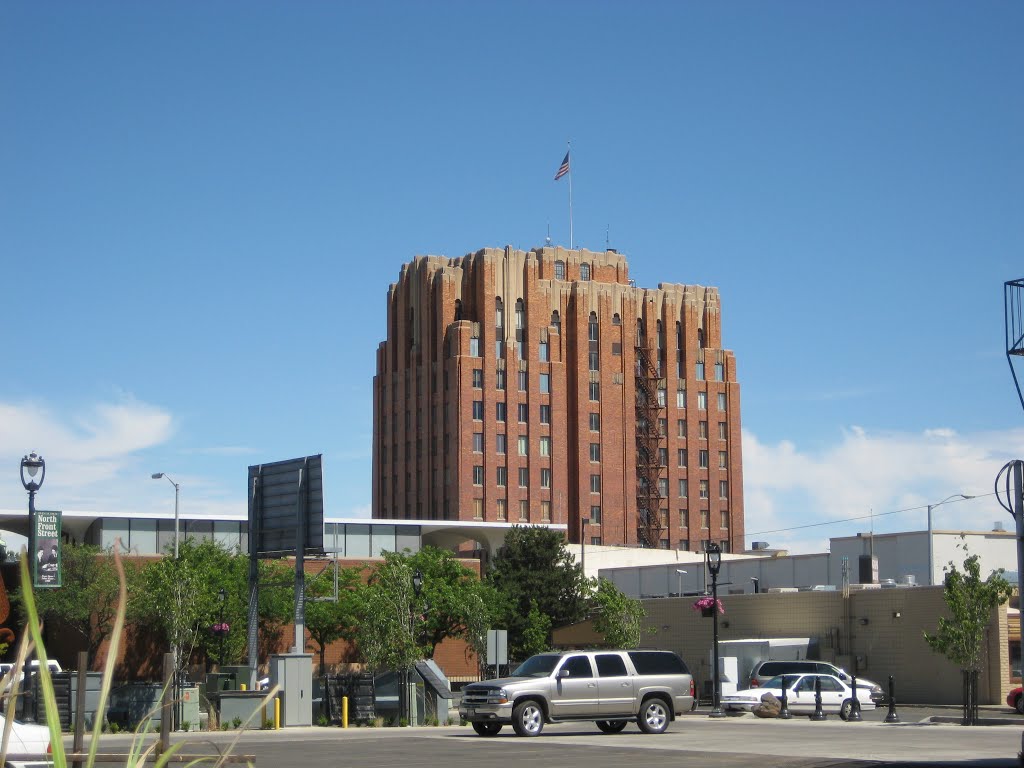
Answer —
(759, 545)
(998, 526)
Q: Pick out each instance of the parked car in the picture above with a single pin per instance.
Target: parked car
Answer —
(7, 668)
(836, 696)
(610, 688)
(27, 739)
(766, 670)
(1015, 699)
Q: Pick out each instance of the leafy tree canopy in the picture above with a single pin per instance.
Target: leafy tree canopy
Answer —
(617, 617)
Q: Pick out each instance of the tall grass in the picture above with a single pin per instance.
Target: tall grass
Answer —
(139, 752)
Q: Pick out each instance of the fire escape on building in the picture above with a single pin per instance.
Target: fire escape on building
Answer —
(648, 442)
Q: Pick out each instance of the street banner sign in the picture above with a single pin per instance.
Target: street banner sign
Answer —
(46, 558)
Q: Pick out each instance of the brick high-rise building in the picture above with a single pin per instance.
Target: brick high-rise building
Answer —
(543, 386)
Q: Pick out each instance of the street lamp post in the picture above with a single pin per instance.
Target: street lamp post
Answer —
(177, 491)
(713, 556)
(931, 545)
(31, 466)
(222, 596)
(680, 571)
(417, 587)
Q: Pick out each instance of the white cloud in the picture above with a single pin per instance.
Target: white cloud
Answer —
(872, 472)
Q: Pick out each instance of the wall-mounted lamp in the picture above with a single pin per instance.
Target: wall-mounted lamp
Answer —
(896, 614)
(863, 621)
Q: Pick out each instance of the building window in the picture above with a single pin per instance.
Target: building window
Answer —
(545, 477)
(478, 378)
(681, 398)
(502, 476)
(523, 412)
(595, 422)
(524, 510)
(723, 489)
(545, 414)
(662, 398)
(595, 514)
(682, 488)
(663, 487)
(584, 271)
(700, 371)
(705, 519)
(500, 442)
(702, 401)
(703, 426)
(703, 459)
(542, 352)
(499, 348)
(723, 431)
(595, 483)
(617, 348)
(723, 459)
(663, 457)
(724, 545)
(595, 541)
(499, 313)
(681, 428)
(545, 446)
(559, 270)
(681, 457)
(592, 361)
(474, 347)
(704, 489)
(545, 511)
(520, 328)
(478, 475)
(724, 520)
(478, 442)
(524, 442)
(595, 391)
(545, 383)
(499, 411)
(595, 451)
(524, 379)
(478, 410)
(721, 401)
(719, 372)
(684, 545)
(499, 377)
(524, 477)
(700, 337)
(501, 509)
(478, 509)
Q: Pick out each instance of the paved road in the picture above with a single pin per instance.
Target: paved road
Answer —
(693, 740)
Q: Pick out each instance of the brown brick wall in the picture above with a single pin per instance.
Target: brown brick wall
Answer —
(424, 461)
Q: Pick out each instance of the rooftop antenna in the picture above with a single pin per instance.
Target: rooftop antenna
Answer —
(607, 235)
(548, 238)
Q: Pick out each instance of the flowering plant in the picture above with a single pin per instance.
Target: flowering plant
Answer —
(707, 603)
(221, 628)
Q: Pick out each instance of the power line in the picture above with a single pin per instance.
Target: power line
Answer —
(861, 517)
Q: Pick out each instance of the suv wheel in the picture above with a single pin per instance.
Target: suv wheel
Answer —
(487, 729)
(528, 718)
(654, 715)
(610, 726)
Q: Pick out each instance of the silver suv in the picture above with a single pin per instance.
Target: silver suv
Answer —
(764, 671)
(611, 688)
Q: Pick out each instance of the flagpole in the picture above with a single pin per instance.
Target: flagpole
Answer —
(568, 151)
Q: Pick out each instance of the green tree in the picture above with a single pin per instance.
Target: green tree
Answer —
(535, 633)
(534, 566)
(87, 600)
(970, 601)
(386, 608)
(617, 617)
(331, 616)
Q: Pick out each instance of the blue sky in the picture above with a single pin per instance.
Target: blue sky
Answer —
(202, 205)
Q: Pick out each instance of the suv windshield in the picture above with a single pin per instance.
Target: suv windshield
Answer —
(540, 665)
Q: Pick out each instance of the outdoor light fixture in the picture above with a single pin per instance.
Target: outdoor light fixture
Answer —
(931, 547)
(177, 489)
(713, 559)
(417, 582)
(680, 571)
(31, 465)
(757, 584)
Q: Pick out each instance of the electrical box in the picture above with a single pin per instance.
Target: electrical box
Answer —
(293, 673)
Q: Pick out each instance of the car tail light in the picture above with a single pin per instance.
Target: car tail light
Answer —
(49, 748)
(693, 689)
(754, 683)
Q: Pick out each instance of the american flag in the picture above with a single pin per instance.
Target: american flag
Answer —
(563, 168)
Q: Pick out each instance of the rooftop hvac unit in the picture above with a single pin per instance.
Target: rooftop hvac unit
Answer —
(863, 587)
(774, 590)
(888, 583)
(998, 526)
(759, 545)
(910, 580)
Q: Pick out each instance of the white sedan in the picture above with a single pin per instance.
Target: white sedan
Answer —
(836, 696)
(27, 739)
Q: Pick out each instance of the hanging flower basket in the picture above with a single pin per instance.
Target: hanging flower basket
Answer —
(706, 605)
(220, 629)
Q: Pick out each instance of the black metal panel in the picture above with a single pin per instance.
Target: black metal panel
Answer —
(279, 493)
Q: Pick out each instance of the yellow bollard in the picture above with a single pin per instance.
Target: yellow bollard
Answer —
(241, 686)
(277, 714)
(344, 711)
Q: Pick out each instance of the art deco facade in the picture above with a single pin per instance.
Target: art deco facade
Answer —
(543, 386)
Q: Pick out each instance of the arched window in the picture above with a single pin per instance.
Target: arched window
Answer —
(499, 324)
(559, 270)
(584, 271)
(616, 320)
(700, 337)
(499, 313)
